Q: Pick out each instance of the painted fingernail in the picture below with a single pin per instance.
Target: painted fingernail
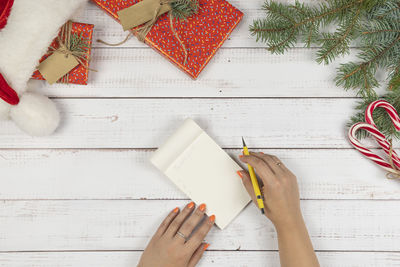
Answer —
(212, 218)
(176, 210)
(206, 245)
(262, 153)
(240, 156)
(240, 174)
(190, 205)
(202, 207)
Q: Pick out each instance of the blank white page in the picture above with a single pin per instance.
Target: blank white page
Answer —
(203, 171)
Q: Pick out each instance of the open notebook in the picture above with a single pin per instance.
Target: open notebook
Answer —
(203, 171)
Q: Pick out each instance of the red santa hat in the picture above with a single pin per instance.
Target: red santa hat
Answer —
(27, 27)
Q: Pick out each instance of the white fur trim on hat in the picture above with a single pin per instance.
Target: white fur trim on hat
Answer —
(30, 29)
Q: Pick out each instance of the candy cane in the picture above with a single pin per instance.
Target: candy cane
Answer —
(395, 120)
(389, 109)
(365, 151)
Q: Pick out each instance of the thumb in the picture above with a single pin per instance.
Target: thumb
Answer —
(246, 180)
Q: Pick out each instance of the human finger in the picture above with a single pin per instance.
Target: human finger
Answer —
(178, 221)
(198, 254)
(273, 162)
(263, 170)
(277, 161)
(166, 222)
(190, 224)
(197, 238)
(246, 180)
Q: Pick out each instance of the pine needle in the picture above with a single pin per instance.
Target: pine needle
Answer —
(182, 9)
(372, 25)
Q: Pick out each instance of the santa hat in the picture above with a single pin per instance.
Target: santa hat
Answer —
(27, 28)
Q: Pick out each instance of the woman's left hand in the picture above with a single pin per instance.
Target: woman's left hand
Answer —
(176, 244)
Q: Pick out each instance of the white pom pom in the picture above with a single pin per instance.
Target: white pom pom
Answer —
(35, 114)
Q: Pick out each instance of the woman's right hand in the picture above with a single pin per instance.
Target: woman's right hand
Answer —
(282, 207)
(279, 188)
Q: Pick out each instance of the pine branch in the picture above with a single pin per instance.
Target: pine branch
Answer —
(394, 83)
(380, 116)
(397, 8)
(339, 42)
(288, 21)
(362, 75)
(373, 25)
(78, 43)
(182, 9)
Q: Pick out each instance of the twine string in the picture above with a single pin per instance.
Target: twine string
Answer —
(171, 22)
(116, 44)
(64, 42)
(145, 29)
(142, 31)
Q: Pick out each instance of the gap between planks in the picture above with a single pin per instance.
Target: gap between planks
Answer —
(203, 97)
(178, 199)
(209, 250)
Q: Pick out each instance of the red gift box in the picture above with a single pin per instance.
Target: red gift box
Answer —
(202, 34)
(79, 74)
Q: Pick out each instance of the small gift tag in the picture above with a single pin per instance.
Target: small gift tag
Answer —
(140, 13)
(56, 66)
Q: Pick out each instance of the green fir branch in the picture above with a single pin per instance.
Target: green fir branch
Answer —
(182, 9)
(372, 25)
(338, 43)
(380, 116)
(78, 44)
(287, 22)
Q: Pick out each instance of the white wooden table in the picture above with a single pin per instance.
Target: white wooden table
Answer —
(87, 196)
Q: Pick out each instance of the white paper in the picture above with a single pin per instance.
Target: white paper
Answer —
(203, 171)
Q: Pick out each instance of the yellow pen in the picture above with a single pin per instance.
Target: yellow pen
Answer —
(254, 181)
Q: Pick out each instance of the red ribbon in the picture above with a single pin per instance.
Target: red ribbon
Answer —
(7, 93)
(5, 9)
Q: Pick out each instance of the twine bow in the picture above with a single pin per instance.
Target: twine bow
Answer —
(142, 31)
(66, 46)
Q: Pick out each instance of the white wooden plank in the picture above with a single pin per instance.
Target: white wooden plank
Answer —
(128, 225)
(144, 73)
(106, 28)
(146, 123)
(127, 174)
(210, 258)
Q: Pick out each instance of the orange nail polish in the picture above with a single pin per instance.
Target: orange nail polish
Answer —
(190, 205)
(262, 153)
(176, 210)
(206, 246)
(202, 207)
(212, 218)
(240, 174)
(240, 156)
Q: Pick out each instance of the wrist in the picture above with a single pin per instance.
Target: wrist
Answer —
(292, 224)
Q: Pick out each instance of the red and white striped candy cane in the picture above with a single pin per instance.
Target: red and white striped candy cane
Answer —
(365, 151)
(389, 109)
(385, 144)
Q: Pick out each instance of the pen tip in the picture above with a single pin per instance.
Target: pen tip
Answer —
(262, 211)
(244, 144)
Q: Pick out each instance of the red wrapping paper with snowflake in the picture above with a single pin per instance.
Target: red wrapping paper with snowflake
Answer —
(79, 74)
(202, 34)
